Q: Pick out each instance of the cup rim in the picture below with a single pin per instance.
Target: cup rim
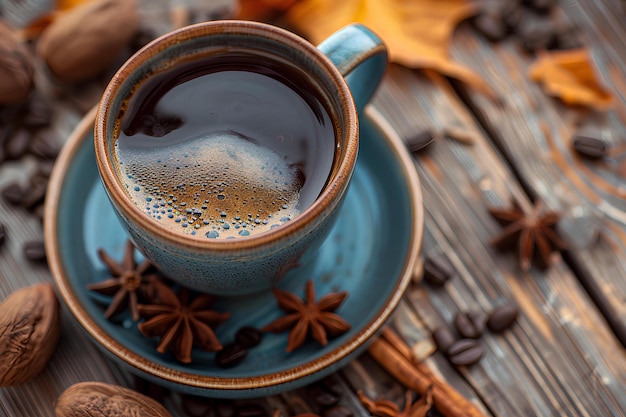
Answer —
(329, 195)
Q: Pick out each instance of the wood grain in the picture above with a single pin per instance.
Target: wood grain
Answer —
(533, 131)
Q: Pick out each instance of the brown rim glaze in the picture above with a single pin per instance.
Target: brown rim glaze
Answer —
(203, 382)
(329, 195)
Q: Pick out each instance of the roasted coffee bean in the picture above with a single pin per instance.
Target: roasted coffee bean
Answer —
(251, 410)
(512, 15)
(331, 385)
(540, 6)
(3, 234)
(419, 140)
(590, 146)
(566, 38)
(38, 211)
(17, 145)
(465, 352)
(150, 389)
(537, 38)
(325, 399)
(231, 355)
(224, 408)
(44, 168)
(45, 145)
(338, 411)
(8, 113)
(491, 26)
(6, 131)
(35, 251)
(39, 112)
(502, 317)
(13, 193)
(438, 270)
(444, 338)
(535, 32)
(248, 336)
(35, 193)
(195, 406)
(469, 324)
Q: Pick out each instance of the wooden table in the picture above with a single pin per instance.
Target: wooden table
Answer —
(565, 356)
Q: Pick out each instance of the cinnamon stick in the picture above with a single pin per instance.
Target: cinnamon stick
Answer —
(396, 342)
(396, 358)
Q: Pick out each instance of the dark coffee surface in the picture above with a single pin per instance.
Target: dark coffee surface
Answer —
(226, 147)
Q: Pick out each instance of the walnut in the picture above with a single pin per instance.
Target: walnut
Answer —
(29, 331)
(96, 399)
(16, 67)
(87, 39)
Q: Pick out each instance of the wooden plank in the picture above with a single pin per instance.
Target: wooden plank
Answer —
(561, 351)
(76, 359)
(534, 133)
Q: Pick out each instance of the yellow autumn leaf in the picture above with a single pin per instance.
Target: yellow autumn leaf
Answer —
(569, 75)
(417, 32)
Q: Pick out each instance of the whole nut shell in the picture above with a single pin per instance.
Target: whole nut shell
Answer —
(96, 399)
(87, 39)
(29, 332)
(16, 67)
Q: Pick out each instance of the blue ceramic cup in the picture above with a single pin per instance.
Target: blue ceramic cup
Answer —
(345, 70)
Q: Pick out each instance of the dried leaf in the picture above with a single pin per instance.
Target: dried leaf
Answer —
(68, 4)
(417, 32)
(386, 408)
(423, 406)
(379, 408)
(570, 76)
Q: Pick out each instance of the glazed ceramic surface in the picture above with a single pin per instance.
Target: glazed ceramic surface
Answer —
(245, 265)
(370, 252)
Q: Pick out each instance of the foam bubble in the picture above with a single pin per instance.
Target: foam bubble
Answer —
(225, 177)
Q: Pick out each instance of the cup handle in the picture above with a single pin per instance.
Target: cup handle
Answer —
(360, 56)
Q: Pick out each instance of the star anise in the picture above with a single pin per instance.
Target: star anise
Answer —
(127, 281)
(386, 408)
(307, 316)
(534, 233)
(181, 323)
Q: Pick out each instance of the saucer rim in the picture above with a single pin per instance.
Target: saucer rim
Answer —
(189, 379)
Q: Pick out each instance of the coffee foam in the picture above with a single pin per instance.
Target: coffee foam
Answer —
(220, 185)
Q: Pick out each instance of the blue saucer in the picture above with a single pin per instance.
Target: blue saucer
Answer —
(370, 253)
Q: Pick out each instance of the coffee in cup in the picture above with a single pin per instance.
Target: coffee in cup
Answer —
(226, 146)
